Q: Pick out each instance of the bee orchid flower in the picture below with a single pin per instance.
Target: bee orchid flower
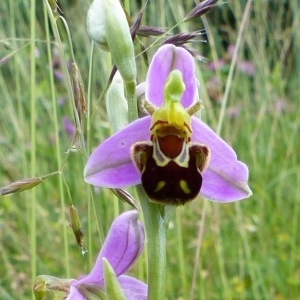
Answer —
(122, 246)
(171, 152)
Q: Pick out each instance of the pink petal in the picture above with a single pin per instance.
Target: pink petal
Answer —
(166, 59)
(133, 288)
(226, 178)
(123, 245)
(74, 294)
(110, 163)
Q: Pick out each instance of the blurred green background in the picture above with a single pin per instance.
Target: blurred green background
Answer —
(244, 250)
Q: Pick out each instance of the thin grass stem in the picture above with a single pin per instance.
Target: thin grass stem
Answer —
(33, 203)
(57, 147)
(233, 64)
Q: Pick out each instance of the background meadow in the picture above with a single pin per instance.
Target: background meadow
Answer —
(250, 88)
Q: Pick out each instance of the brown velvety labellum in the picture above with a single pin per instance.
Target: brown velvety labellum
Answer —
(171, 184)
(171, 172)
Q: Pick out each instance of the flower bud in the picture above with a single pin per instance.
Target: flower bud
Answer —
(96, 24)
(116, 104)
(107, 25)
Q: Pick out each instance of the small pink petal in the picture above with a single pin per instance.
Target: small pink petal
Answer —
(74, 294)
(133, 288)
(168, 58)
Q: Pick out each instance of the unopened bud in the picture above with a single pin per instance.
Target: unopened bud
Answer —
(116, 104)
(107, 25)
(95, 24)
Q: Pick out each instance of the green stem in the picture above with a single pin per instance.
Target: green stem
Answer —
(156, 236)
(243, 24)
(33, 140)
(132, 103)
(181, 260)
(88, 149)
(69, 91)
(57, 144)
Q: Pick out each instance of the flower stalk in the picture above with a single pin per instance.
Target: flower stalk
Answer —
(156, 236)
